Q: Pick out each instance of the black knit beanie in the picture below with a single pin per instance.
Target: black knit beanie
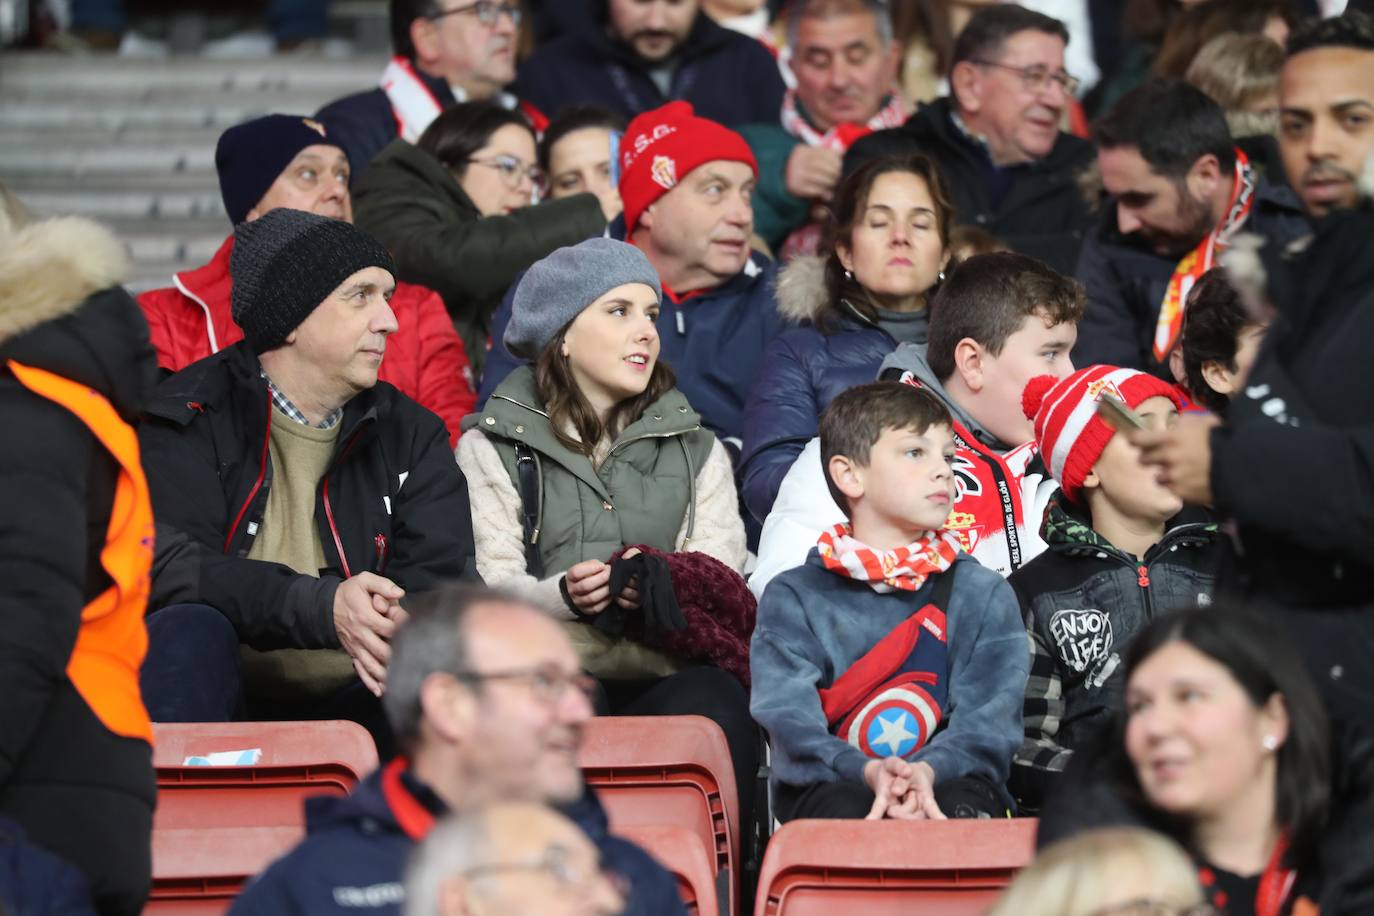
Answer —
(285, 263)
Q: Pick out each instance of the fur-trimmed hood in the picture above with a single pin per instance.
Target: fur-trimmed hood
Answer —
(801, 289)
(62, 309)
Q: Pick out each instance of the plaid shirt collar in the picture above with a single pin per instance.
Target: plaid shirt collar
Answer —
(283, 403)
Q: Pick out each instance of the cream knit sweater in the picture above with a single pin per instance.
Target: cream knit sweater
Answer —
(500, 541)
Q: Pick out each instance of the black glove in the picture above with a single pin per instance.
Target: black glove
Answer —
(657, 601)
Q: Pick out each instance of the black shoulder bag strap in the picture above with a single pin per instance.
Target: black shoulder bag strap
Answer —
(527, 473)
(944, 587)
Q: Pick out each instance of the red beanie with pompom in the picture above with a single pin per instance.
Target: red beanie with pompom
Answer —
(1068, 431)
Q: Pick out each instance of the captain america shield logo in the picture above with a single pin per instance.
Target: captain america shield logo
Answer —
(896, 721)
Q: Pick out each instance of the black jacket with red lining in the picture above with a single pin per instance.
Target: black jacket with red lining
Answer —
(392, 502)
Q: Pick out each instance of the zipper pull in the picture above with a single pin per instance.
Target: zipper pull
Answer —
(380, 541)
(681, 322)
(1144, 576)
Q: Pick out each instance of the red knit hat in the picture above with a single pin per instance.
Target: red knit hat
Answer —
(661, 147)
(1068, 431)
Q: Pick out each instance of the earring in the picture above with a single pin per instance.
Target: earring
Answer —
(848, 275)
(942, 275)
(1270, 743)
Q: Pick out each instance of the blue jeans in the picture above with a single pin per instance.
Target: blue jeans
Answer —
(191, 672)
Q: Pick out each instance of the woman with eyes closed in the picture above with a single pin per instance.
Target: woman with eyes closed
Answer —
(609, 454)
(575, 153)
(456, 210)
(884, 249)
(1224, 745)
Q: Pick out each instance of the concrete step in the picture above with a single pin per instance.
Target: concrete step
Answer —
(80, 159)
(131, 117)
(48, 74)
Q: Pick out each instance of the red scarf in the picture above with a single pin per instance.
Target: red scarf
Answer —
(1203, 258)
(905, 568)
(1275, 883)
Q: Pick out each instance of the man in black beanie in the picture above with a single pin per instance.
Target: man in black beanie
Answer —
(298, 499)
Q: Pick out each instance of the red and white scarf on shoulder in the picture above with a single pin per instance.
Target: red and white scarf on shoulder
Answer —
(1203, 258)
(905, 568)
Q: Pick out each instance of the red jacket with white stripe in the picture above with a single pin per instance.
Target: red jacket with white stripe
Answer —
(425, 358)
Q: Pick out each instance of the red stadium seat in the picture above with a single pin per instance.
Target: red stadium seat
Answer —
(679, 850)
(668, 770)
(885, 868)
(217, 826)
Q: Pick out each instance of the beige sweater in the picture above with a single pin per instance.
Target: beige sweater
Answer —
(500, 543)
(289, 534)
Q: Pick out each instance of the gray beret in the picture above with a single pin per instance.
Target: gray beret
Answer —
(556, 289)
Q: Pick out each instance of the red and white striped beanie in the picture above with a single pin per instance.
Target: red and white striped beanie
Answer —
(1068, 431)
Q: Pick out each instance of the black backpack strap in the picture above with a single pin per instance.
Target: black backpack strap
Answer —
(528, 482)
(944, 587)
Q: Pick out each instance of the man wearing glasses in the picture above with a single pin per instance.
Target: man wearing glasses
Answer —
(513, 858)
(445, 52)
(996, 139)
(487, 700)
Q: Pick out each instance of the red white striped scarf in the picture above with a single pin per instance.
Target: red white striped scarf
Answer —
(905, 568)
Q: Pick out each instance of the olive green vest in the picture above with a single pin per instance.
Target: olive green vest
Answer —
(641, 493)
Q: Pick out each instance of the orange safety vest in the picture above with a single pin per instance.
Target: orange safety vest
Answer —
(113, 638)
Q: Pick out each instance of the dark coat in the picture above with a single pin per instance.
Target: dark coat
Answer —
(726, 76)
(1126, 279)
(354, 855)
(714, 341)
(363, 123)
(1294, 465)
(75, 787)
(802, 371)
(1083, 600)
(392, 502)
(413, 205)
(1044, 213)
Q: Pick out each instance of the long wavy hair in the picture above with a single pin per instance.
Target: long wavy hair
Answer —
(567, 406)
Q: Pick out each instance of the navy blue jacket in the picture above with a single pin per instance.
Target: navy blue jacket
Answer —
(726, 76)
(714, 340)
(1125, 281)
(354, 856)
(363, 124)
(803, 369)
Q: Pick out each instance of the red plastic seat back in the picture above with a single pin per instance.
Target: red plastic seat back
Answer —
(673, 770)
(217, 826)
(886, 868)
(680, 851)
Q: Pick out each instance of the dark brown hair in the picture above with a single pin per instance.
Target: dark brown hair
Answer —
(1213, 321)
(856, 418)
(567, 406)
(845, 213)
(1198, 25)
(464, 129)
(988, 297)
(926, 21)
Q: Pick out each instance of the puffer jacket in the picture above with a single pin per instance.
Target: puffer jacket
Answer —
(1083, 599)
(425, 358)
(802, 371)
(76, 787)
(411, 203)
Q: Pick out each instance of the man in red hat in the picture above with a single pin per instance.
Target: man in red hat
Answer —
(687, 184)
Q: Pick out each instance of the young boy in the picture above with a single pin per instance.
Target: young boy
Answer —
(1121, 549)
(997, 321)
(1220, 341)
(889, 669)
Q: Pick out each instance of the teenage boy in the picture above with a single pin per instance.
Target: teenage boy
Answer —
(888, 670)
(997, 321)
(1121, 549)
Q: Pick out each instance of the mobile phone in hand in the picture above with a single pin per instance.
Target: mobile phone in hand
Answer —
(1117, 415)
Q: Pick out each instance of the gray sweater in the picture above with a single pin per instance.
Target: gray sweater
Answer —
(813, 624)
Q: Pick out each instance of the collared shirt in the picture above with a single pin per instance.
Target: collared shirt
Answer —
(283, 403)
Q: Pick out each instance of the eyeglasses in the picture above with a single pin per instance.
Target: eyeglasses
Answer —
(1037, 76)
(488, 12)
(549, 682)
(513, 171)
(557, 863)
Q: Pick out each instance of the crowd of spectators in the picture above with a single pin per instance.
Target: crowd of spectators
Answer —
(823, 371)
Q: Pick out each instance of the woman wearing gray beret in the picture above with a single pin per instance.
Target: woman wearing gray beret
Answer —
(590, 449)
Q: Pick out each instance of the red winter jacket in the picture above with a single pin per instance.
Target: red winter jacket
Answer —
(425, 359)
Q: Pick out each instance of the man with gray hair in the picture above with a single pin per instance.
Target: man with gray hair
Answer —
(996, 139)
(845, 62)
(514, 858)
(487, 701)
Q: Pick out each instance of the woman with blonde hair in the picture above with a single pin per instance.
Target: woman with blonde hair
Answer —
(1117, 870)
